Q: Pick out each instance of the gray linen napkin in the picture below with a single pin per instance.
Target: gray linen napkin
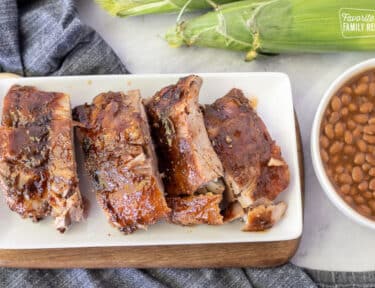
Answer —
(46, 37)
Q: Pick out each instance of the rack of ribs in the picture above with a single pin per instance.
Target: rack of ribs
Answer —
(120, 158)
(254, 170)
(37, 161)
(191, 170)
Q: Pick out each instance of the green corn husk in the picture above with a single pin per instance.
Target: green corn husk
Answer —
(124, 8)
(275, 26)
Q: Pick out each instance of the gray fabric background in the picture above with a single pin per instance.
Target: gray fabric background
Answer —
(46, 37)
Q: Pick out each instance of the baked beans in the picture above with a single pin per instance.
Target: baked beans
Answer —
(347, 143)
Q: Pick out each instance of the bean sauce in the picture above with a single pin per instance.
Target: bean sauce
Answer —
(347, 143)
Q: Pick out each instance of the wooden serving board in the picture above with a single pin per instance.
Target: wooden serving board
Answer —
(261, 254)
(180, 256)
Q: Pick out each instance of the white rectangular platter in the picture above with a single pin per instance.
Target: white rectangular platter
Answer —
(275, 106)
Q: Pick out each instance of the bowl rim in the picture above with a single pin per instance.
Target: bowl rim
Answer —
(319, 169)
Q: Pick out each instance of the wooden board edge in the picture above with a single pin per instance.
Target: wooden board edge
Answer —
(267, 254)
(5, 75)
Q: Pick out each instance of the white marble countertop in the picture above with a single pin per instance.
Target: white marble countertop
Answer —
(330, 241)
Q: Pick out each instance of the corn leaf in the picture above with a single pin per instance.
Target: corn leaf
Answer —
(124, 8)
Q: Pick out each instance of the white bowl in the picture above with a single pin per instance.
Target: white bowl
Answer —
(315, 151)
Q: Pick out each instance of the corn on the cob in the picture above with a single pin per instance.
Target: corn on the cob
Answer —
(274, 26)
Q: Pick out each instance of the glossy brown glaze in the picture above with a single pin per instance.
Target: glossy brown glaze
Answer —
(262, 217)
(120, 158)
(197, 209)
(254, 169)
(187, 158)
(26, 106)
(244, 146)
(37, 165)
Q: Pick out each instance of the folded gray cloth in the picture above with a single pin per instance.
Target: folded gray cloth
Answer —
(287, 276)
(326, 279)
(46, 37)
